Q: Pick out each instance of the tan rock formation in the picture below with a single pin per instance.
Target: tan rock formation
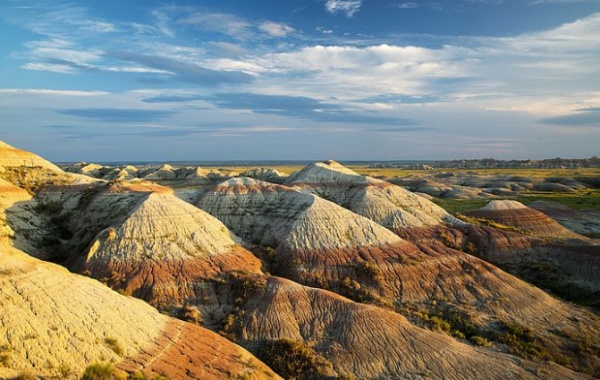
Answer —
(526, 219)
(13, 157)
(45, 309)
(166, 252)
(369, 342)
(585, 222)
(385, 203)
(265, 174)
(321, 244)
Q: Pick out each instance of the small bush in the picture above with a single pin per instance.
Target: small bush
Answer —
(65, 371)
(102, 371)
(190, 314)
(4, 360)
(292, 360)
(368, 268)
(480, 341)
(114, 345)
(27, 375)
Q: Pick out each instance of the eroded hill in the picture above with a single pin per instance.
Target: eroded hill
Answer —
(425, 310)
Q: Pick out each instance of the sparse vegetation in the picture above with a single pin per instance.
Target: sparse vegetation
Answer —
(521, 341)
(139, 375)
(368, 268)
(245, 285)
(5, 351)
(480, 341)
(103, 371)
(26, 375)
(190, 314)
(114, 345)
(292, 360)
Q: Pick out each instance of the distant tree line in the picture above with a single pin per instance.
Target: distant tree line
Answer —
(492, 163)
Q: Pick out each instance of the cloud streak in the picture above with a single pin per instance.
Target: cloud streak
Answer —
(184, 71)
(348, 7)
(303, 108)
(118, 115)
(586, 117)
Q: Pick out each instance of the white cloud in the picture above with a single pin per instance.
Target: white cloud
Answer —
(225, 23)
(38, 91)
(348, 7)
(55, 68)
(324, 30)
(275, 29)
(162, 23)
(97, 26)
(63, 50)
(543, 73)
(409, 5)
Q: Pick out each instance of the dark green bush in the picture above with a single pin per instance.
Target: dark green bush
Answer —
(292, 360)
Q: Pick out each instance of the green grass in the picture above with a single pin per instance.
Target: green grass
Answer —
(582, 200)
(460, 205)
(588, 199)
(534, 173)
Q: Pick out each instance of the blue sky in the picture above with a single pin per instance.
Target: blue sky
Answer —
(300, 79)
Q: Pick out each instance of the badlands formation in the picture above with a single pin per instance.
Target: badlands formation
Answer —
(54, 324)
(313, 275)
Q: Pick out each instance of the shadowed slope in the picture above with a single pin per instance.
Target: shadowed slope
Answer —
(585, 222)
(369, 342)
(317, 243)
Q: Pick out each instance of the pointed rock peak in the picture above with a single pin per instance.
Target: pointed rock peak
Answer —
(166, 167)
(503, 205)
(163, 226)
(334, 165)
(322, 172)
(325, 225)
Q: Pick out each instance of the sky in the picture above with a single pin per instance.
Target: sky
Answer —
(148, 80)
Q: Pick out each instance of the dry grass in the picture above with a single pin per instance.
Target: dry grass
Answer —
(533, 173)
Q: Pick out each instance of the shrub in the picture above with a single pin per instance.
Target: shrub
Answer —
(479, 341)
(368, 268)
(27, 375)
(190, 314)
(102, 371)
(244, 286)
(114, 345)
(65, 371)
(4, 360)
(292, 360)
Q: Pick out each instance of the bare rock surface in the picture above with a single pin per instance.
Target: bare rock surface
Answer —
(274, 214)
(13, 157)
(380, 201)
(585, 222)
(167, 252)
(369, 342)
(265, 174)
(46, 309)
(320, 241)
(517, 215)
